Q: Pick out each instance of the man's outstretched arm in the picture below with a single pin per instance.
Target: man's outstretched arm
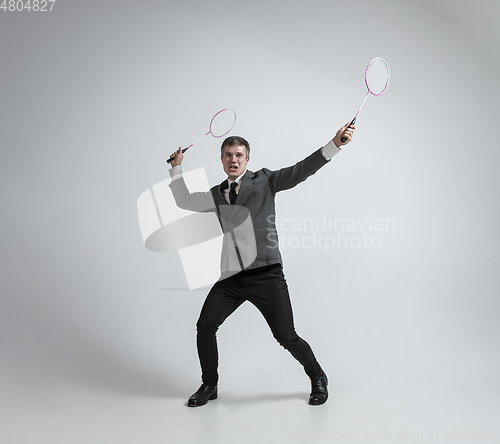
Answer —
(286, 178)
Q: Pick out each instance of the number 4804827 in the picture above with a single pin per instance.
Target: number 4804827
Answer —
(27, 5)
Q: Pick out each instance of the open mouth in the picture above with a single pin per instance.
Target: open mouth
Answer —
(233, 168)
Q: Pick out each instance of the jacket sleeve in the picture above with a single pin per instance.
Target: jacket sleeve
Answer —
(286, 178)
(198, 201)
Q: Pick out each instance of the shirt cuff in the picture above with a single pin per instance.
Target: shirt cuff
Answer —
(175, 173)
(329, 150)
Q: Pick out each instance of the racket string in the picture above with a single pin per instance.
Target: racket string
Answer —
(377, 76)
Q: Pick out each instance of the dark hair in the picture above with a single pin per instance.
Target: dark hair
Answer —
(235, 141)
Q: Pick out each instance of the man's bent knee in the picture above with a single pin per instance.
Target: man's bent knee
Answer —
(287, 341)
(207, 326)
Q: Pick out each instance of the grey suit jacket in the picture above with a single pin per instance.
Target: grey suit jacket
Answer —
(250, 223)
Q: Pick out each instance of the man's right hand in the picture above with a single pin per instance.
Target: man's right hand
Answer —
(176, 157)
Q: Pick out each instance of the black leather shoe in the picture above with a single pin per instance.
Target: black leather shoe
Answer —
(319, 392)
(204, 394)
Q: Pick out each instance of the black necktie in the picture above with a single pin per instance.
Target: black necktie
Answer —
(232, 193)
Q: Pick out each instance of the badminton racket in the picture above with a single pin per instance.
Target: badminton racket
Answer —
(376, 79)
(220, 125)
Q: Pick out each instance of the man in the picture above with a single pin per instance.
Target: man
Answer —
(260, 280)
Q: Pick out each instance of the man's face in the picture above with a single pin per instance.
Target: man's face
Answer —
(234, 160)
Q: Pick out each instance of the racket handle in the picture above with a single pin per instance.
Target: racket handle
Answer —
(184, 150)
(352, 123)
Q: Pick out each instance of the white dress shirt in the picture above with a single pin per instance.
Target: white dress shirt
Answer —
(225, 192)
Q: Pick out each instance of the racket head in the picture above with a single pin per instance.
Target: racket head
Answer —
(222, 123)
(377, 76)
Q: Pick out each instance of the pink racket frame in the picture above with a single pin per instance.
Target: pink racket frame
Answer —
(210, 130)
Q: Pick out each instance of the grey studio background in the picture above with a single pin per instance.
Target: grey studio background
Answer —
(97, 334)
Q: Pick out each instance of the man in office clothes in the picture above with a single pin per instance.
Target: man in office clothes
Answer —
(259, 279)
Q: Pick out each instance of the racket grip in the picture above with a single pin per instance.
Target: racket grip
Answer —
(170, 159)
(352, 123)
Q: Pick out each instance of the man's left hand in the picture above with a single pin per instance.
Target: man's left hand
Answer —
(346, 131)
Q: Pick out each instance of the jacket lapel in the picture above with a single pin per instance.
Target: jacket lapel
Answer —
(246, 187)
(218, 197)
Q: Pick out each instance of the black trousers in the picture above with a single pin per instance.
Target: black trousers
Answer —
(264, 287)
